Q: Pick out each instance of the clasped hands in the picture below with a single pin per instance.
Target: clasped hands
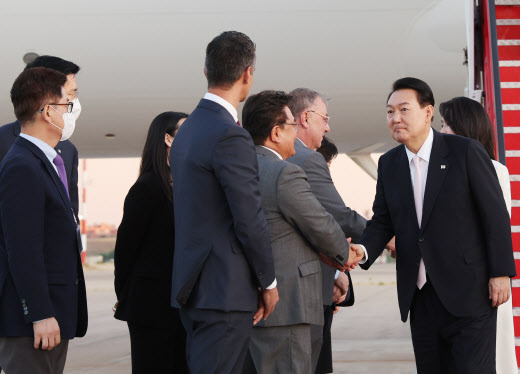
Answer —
(356, 254)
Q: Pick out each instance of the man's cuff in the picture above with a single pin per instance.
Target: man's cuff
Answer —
(336, 275)
(41, 320)
(366, 255)
(273, 285)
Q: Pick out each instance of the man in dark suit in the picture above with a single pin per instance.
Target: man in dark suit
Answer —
(439, 194)
(67, 150)
(43, 298)
(310, 112)
(223, 255)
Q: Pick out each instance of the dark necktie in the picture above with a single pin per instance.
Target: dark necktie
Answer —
(238, 123)
(58, 161)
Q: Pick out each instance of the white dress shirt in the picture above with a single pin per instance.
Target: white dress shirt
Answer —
(226, 104)
(424, 155)
(49, 152)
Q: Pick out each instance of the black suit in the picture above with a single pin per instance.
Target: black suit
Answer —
(67, 150)
(464, 239)
(222, 246)
(143, 273)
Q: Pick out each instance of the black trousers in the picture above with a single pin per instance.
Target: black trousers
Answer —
(445, 344)
(217, 342)
(157, 350)
(325, 359)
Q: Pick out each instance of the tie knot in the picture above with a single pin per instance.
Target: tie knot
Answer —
(58, 161)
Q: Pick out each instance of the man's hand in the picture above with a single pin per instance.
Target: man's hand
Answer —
(261, 309)
(332, 263)
(391, 248)
(48, 333)
(340, 288)
(356, 254)
(270, 298)
(499, 290)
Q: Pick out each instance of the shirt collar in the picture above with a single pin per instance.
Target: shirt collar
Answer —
(226, 104)
(272, 150)
(49, 152)
(425, 151)
(301, 141)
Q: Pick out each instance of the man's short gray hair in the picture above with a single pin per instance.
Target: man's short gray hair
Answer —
(302, 99)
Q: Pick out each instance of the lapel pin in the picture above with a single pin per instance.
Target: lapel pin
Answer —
(59, 150)
(443, 166)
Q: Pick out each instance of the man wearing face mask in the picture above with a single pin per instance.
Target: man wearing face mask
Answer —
(67, 150)
(43, 300)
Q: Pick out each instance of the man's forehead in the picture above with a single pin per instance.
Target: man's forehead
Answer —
(399, 97)
(319, 104)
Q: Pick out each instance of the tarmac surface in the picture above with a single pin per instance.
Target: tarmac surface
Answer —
(366, 338)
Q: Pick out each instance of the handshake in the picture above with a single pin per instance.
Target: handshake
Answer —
(356, 254)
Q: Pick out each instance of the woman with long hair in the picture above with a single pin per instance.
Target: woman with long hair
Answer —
(466, 117)
(144, 258)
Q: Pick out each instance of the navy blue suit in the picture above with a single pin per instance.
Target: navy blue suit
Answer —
(67, 150)
(222, 246)
(40, 266)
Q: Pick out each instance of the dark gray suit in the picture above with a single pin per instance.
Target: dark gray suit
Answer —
(299, 226)
(352, 224)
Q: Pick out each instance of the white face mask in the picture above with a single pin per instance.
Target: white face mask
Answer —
(69, 124)
(76, 109)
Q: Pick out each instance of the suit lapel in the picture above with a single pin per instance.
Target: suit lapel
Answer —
(404, 181)
(50, 169)
(437, 170)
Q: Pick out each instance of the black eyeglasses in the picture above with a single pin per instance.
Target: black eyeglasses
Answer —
(291, 124)
(69, 105)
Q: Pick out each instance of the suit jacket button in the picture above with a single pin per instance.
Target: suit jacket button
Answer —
(260, 274)
(26, 312)
(421, 240)
(77, 282)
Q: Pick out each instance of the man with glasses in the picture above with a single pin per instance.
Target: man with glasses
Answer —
(310, 112)
(43, 300)
(67, 150)
(300, 228)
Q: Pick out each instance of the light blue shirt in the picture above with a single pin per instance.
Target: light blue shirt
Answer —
(49, 152)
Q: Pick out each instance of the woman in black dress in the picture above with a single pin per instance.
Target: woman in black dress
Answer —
(144, 257)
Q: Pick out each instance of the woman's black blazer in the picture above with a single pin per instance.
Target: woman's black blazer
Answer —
(144, 256)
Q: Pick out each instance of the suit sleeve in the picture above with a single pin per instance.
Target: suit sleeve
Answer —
(73, 183)
(236, 168)
(322, 186)
(379, 229)
(302, 210)
(22, 212)
(490, 203)
(138, 209)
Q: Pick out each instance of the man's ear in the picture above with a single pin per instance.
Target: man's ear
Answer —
(275, 134)
(205, 73)
(429, 113)
(304, 118)
(45, 114)
(247, 75)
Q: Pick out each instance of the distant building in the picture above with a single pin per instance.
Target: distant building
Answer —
(102, 230)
